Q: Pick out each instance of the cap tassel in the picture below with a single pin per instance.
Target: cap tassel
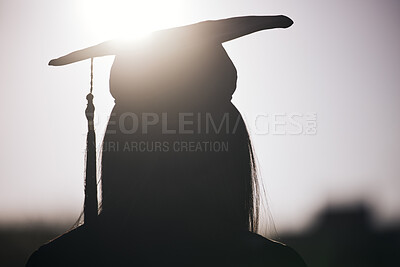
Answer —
(91, 204)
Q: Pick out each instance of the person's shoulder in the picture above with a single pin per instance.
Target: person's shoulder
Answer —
(272, 253)
(61, 250)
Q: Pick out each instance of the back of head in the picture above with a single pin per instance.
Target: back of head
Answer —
(176, 155)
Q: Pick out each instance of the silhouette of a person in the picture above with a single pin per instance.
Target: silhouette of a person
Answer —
(178, 175)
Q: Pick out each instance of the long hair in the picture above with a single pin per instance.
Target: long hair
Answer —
(159, 177)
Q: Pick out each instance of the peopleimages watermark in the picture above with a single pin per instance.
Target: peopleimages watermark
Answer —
(186, 123)
(203, 126)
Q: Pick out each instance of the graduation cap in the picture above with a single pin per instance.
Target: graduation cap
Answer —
(174, 66)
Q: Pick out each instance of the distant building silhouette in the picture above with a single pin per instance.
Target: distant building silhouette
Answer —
(347, 237)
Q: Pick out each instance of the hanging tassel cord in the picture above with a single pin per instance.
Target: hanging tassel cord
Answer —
(91, 203)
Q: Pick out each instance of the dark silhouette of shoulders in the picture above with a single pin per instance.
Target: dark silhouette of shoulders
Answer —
(265, 252)
(85, 247)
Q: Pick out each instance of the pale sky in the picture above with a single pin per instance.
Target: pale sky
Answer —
(340, 61)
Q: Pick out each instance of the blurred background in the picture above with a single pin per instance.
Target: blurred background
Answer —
(321, 101)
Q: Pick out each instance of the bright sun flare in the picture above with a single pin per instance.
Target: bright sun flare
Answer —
(103, 20)
(128, 19)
